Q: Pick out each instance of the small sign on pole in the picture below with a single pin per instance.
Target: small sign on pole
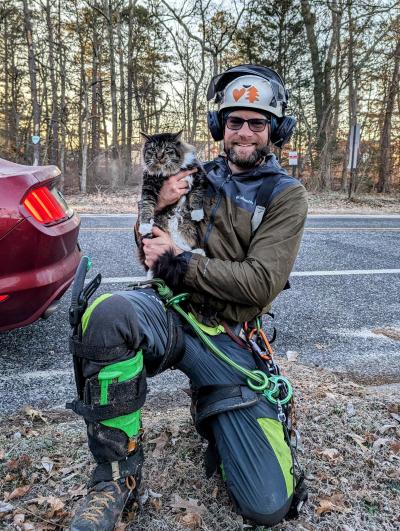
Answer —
(293, 158)
(354, 145)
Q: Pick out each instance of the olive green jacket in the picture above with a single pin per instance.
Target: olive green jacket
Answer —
(243, 272)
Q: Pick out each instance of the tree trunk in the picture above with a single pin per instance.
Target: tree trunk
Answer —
(62, 115)
(353, 94)
(385, 165)
(318, 76)
(122, 95)
(53, 137)
(32, 75)
(129, 102)
(95, 115)
(113, 83)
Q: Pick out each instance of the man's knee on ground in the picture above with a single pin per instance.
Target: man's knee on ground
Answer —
(262, 512)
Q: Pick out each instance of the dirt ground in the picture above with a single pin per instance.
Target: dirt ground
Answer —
(350, 450)
(124, 201)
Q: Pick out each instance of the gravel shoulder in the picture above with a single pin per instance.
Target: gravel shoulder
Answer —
(349, 450)
(124, 201)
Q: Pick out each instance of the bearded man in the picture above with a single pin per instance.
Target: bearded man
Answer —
(254, 216)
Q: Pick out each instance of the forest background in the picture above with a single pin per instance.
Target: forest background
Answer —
(81, 79)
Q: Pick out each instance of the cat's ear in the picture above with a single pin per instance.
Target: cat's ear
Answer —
(147, 137)
(177, 135)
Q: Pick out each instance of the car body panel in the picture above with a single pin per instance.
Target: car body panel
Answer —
(37, 261)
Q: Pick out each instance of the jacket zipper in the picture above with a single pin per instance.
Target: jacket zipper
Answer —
(216, 206)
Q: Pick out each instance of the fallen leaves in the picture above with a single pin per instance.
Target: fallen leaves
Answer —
(395, 447)
(160, 443)
(392, 333)
(192, 518)
(382, 441)
(17, 493)
(47, 464)
(334, 503)
(6, 507)
(34, 414)
(19, 464)
(359, 440)
(332, 455)
(53, 504)
(189, 505)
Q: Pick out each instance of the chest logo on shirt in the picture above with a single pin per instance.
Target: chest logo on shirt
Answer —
(241, 198)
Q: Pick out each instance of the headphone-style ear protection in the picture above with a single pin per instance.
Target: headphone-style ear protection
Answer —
(281, 128)
(215, 126)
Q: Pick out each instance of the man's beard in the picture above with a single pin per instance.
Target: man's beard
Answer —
(246, 163)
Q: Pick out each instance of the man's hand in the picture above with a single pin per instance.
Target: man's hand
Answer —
(173, 189)
(155, 247)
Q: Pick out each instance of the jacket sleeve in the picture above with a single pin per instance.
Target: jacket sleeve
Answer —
(254, 282)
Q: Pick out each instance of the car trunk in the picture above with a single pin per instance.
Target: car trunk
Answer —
(15, 181)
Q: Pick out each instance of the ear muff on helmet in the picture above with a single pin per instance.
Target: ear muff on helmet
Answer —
(282, 129)
(215, 126)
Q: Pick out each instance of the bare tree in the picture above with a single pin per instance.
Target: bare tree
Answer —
(33, 83)
(385, 165)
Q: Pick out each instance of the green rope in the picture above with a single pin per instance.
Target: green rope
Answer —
(256, 380)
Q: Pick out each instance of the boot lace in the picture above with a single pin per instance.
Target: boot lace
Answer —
(96, 505)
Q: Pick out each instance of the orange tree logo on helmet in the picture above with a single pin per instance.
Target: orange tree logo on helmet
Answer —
(252, 94)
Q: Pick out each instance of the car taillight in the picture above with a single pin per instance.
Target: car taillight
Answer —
(43, 206)
(4, 297)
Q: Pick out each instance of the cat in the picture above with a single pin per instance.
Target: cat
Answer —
(164, 154)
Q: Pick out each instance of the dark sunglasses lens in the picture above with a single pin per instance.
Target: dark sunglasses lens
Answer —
(234, 123)
(257, 125)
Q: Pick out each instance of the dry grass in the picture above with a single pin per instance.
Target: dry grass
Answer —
(337, 202)
(350, 450)
(124, 201)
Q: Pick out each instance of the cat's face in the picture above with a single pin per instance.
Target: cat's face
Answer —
(164, 153)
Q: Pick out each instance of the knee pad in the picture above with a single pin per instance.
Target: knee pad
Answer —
(111, 403)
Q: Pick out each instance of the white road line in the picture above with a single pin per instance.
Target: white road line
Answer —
(307, 229)
(352, 229)
(345, 272)
(310, 216)
(48, 374)
(123, 280)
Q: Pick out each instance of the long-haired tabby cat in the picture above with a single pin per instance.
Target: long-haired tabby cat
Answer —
(164, 154)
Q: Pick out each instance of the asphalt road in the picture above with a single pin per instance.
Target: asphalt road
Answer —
(345, 286)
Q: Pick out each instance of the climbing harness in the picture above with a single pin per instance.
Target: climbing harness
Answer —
(275, 387)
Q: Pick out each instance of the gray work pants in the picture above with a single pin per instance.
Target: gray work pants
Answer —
(256, 459)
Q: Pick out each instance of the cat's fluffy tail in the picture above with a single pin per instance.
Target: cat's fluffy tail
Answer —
(171, 269)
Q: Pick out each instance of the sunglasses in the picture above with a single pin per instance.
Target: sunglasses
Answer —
(255, 124)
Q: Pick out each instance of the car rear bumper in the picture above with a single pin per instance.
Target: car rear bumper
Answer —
(32, 292)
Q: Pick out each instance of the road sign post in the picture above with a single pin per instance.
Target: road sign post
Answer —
(354, 144)
(293, 161)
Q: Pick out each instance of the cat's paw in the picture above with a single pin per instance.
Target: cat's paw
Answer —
(199, 251)
(197, 215)
(189, 180)
(146, 228)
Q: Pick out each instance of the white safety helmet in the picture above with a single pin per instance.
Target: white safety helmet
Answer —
(254, 93)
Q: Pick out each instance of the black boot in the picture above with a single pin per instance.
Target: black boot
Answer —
(102, 507)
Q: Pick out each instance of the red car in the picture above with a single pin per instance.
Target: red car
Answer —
(39, 251)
